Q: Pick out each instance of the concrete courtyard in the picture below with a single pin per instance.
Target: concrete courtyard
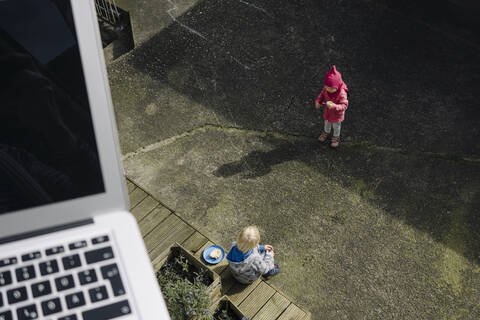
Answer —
(216, 119)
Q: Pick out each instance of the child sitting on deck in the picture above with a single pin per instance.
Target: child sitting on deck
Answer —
(248, 260)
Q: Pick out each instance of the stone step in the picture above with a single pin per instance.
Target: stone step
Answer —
(150, 17)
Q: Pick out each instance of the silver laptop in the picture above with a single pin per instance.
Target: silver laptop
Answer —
(69, 249)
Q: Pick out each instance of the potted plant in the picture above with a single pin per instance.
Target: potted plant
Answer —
(225, 309)
(185, 300)
(179, 263)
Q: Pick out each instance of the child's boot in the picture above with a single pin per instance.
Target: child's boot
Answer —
(335, 142)
(271, 273)
(323, 136)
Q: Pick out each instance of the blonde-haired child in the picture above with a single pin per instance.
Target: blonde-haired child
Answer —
(248, 260)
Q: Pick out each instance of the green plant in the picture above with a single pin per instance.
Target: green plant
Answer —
(226, 314)
(223, 315)
(186, 300)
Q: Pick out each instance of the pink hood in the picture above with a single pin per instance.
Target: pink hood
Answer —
(333, 79)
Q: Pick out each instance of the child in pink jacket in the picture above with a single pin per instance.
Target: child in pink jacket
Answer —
(334, 97)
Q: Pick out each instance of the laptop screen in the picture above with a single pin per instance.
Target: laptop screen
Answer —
(48, 151)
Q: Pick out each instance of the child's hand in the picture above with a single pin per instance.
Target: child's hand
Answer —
(317, 106)
(268, 247)
(270, 252)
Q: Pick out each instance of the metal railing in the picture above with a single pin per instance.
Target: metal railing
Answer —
(107, 10)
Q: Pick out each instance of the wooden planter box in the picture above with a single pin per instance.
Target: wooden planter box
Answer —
(226, 304)
(176, 250)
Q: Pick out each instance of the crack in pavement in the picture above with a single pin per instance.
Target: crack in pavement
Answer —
(365, 146)
(257, 8)
(174, 9)
(174, 18)
(188, 133)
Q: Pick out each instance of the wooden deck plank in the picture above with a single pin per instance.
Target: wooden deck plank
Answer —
(273, 308)
(222, 269)
(238, 292)
(292, 313)
(199, 252)
(227, 280)
(221, 266)
(152, 219)
(144, 208)
(130, 186)
(136, 196)
(156, 262)
(308, 316)
(161, 231)
(180, 232)
(195, 242)
(218, 268)
(256, 299)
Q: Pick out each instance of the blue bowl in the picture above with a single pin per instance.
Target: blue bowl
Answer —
(208, 250)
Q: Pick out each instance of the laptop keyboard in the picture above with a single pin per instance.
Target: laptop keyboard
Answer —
(73, 281)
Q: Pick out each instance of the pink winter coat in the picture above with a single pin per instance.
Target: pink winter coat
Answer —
(337, 112)
(333, 79)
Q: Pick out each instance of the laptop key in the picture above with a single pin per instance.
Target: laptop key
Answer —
(51, 306)
(111, 273)
(98, 294)
(6, 315)
(70, 317)
(75, 300)
(5, 278)
(41, 289)
(108, 312)
(27, 313)
(71, 262)
(48, 267)
(31, 256)
(54, 250)
(77, 245)
(87, 276)
(16, 295)
(100, 239)
(64, 283)
(8, 261)
(25, 273)
(1, 299)
(99, 255)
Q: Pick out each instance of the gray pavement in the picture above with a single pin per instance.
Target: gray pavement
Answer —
(216, 120)
(148, 17)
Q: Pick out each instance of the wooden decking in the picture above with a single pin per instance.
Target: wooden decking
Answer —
(160, 228)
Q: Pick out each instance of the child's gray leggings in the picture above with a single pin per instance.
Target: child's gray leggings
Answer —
(336, 127)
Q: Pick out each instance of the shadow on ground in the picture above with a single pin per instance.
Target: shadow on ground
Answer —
(261, 66)
(436, 195)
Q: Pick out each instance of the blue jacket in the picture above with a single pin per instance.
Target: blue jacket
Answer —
(248, 267)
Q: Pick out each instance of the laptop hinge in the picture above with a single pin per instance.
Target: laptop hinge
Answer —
(36, 233)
